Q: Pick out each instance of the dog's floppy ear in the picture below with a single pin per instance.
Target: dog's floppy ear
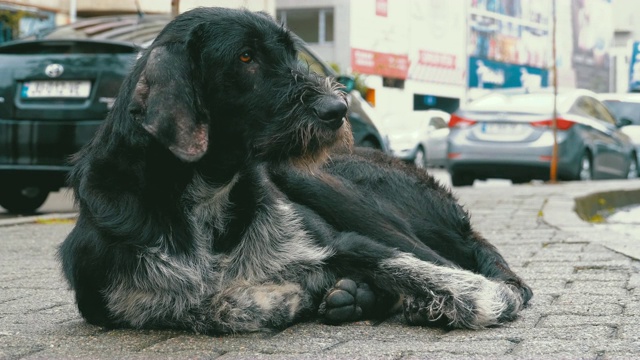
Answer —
(165, 102)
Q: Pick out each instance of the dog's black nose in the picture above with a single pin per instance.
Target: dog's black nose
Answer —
(331, 110)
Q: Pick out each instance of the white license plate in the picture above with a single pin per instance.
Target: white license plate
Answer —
(502, 129)
(55, 89)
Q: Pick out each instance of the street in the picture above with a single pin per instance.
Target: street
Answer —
(585, 303)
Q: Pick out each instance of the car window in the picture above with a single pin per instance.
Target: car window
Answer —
(585, 106)
(624, 110)
(314, 64)
(603, 113)
(438, 122)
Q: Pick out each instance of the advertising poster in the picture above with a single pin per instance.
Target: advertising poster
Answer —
(487, 74)
(634, 67)
(509, 43)
(592, 33)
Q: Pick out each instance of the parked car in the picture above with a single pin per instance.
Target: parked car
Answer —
(56, 89)
(626, 109)
(508, 134)
(419, 137)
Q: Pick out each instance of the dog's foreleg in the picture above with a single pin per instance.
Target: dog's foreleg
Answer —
(491, 264)
(245, 307)
(442, 295)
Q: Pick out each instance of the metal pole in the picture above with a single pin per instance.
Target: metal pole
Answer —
(175, 8)
(553, 176)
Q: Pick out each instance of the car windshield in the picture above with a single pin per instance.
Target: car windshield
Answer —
(536, 103)
(624, 110)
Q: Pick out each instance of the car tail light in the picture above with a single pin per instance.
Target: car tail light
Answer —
(563, 124)
(457, 121)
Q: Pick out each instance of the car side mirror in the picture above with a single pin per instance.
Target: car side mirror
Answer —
(348, 81)
(624, 122)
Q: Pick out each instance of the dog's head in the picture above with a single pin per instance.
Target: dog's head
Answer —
(223, 80)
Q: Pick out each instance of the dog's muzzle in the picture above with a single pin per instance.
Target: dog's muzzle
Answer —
(331, 110)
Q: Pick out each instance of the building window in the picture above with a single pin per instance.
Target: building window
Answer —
(393, 82)
(315, 26)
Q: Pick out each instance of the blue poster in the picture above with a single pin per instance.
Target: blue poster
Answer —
(634, 68)
(488, 74)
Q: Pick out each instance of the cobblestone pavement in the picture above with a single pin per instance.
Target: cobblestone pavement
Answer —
(585, 305)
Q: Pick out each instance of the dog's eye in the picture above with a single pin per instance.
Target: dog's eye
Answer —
(246, 57)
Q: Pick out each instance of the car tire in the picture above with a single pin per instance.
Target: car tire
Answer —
(634, 169)
(585, 169)
(24, 200)
(461, 179)
(420, 159)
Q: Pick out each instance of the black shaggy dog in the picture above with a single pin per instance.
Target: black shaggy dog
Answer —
(222, 195)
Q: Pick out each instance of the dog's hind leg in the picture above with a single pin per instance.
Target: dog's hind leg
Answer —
(458, 298)
(246, 307)
(433, 294)
(491, 264)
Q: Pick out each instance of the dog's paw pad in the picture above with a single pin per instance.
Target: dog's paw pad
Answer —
(365, 298)
(346, 301)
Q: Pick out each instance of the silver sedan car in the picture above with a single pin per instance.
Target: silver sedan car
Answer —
(509, 134)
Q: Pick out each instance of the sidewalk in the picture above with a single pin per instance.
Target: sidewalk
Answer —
(586, 303)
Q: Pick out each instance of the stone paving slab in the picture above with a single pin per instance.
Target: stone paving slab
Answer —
(586, 303)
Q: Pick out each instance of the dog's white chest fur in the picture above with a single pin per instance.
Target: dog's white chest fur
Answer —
(272, 245)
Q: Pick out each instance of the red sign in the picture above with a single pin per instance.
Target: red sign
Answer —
(377, 63)
(382, 7)
(439, 60)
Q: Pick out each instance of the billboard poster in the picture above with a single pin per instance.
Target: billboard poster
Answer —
(512, 31)
(592, 33)
(488, 74)
(634, 67)
(509, 43)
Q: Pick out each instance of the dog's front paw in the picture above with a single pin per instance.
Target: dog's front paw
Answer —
(424, 312)
(347, 301)
(524, 290)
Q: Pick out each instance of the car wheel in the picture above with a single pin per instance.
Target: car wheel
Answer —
(420, 160)
(461, 179)
(634, 170)
(24, 200)
(586, 169)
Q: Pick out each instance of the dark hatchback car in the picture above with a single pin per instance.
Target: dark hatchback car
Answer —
(508, 134)
(56, 89)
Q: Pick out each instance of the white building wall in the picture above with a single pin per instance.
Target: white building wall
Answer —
(338, 51)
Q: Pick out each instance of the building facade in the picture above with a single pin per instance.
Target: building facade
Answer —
(421, 54)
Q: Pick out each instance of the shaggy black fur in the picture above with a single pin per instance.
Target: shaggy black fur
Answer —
(222, 194)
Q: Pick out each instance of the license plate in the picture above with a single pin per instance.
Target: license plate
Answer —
(55, 89)
(502, 129)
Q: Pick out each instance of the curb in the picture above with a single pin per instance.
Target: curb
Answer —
(595, 207)
(48, 218)
(572, 212)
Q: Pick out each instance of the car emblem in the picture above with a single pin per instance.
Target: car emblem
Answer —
(54, 70)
